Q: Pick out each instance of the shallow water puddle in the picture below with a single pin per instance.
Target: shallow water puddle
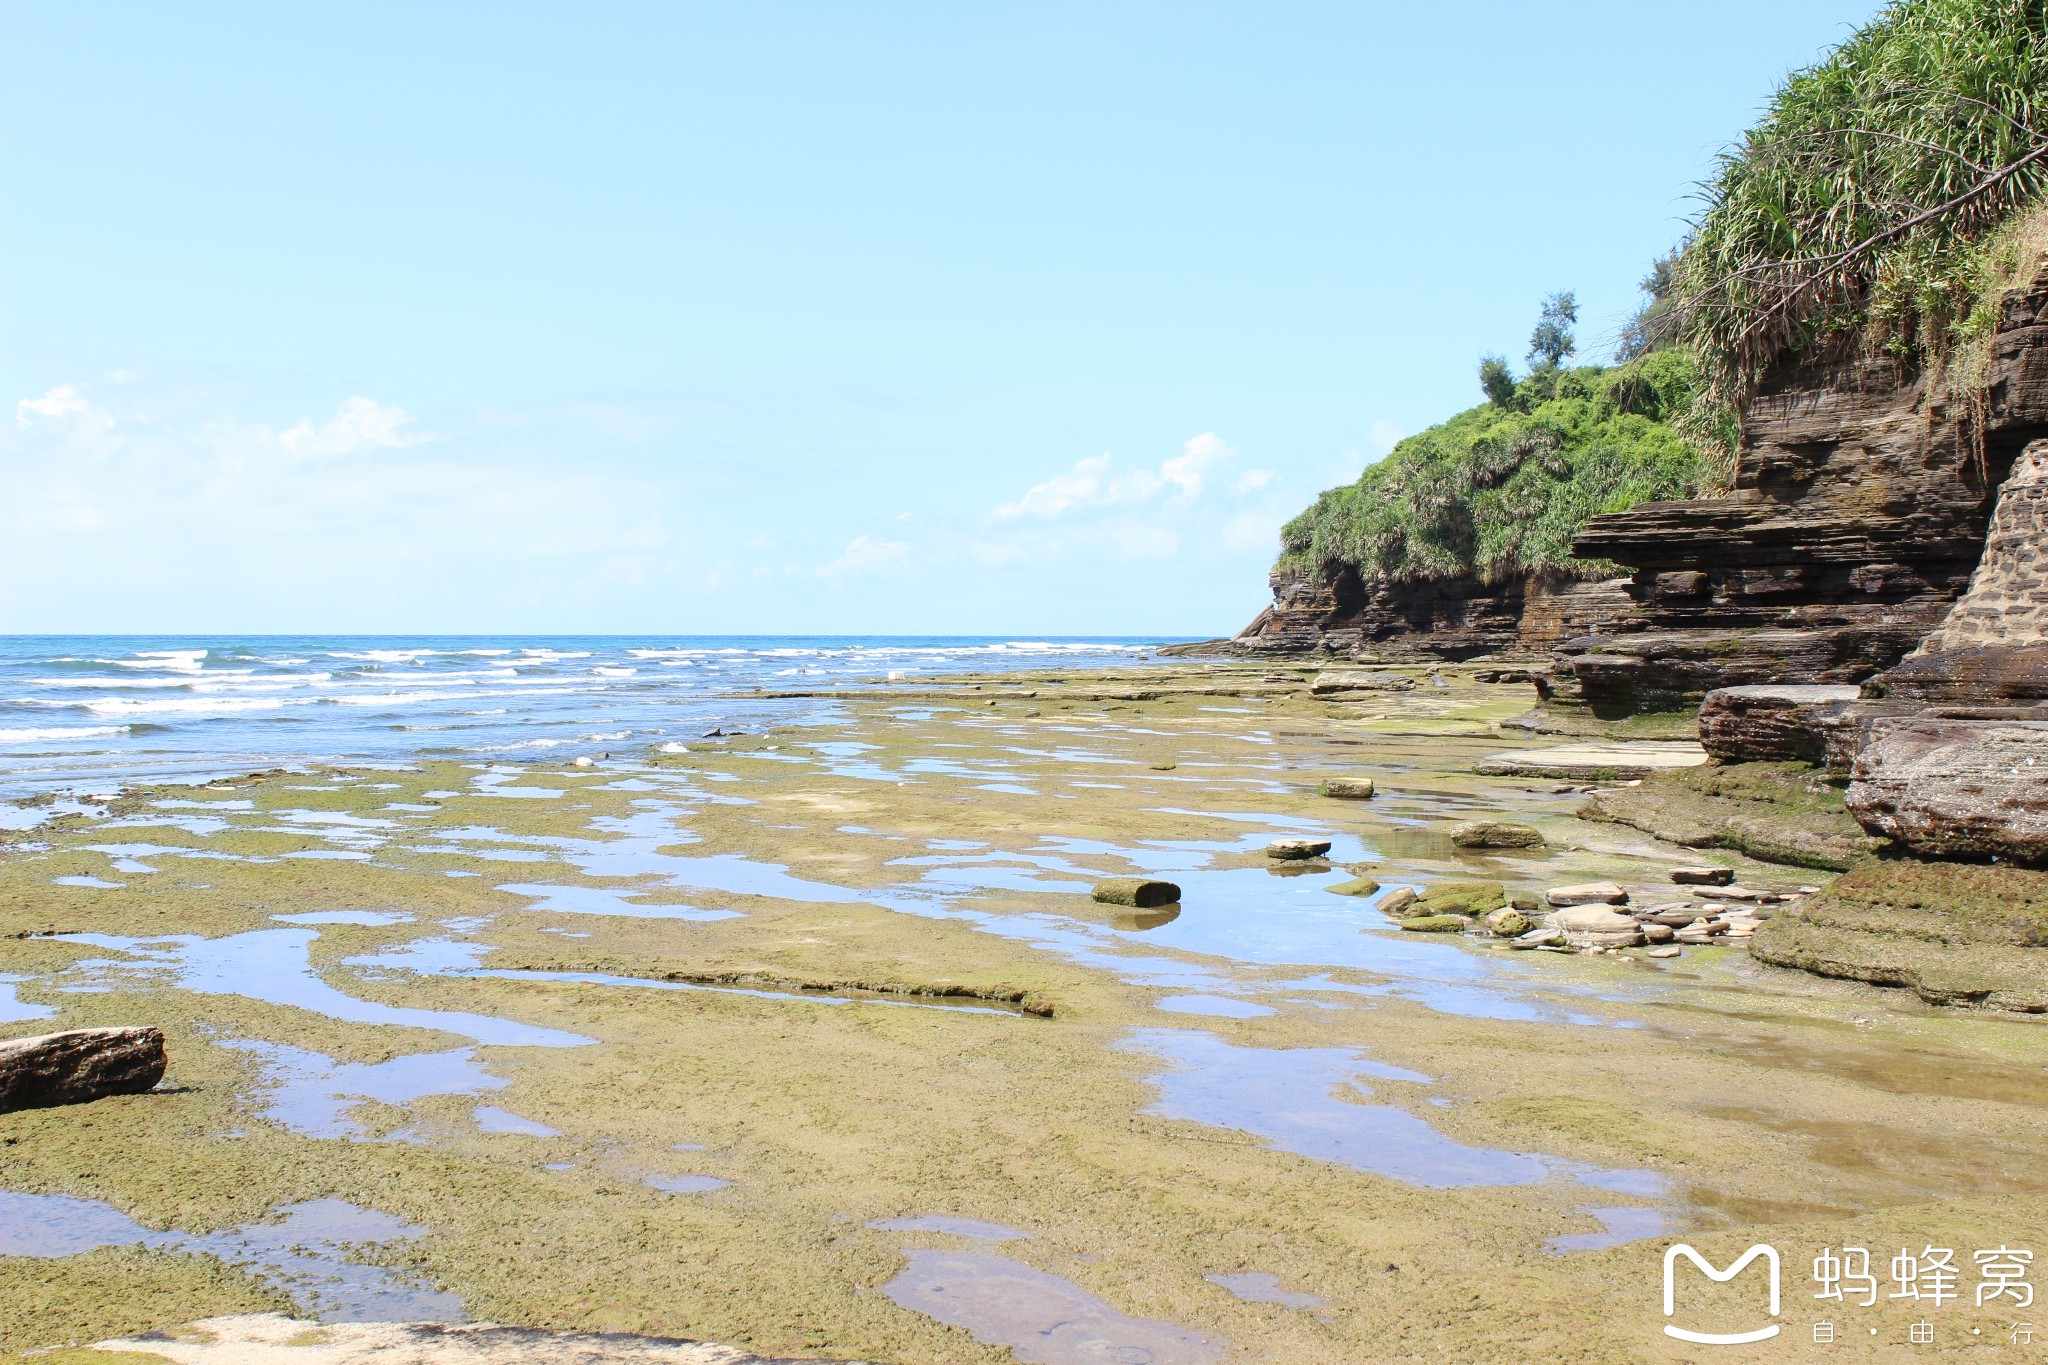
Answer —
(1042, 1318)
(13, 1010)
(1254, 1286)
(958, 1227)
(684, 1184)
(600, 900)
(1295, 1098)
(304, 1254)
(312, 1093)
(491, 1119)
(1630, 1223)
(272, 965)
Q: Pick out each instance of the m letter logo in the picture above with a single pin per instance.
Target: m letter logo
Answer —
(1770, 1256)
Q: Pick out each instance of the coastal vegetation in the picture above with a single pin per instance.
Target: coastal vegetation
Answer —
(1886, 202)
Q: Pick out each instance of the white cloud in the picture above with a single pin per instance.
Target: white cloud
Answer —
(360, 423)
(1251, 481)
(62, 402)
(865, 554)
(1090, 483)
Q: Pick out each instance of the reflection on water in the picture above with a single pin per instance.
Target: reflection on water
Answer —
(1619, 1225)
(303, 1254)
(311, 1093)
(1042, 1318)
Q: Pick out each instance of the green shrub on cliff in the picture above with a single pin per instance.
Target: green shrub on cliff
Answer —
(1499, 491)
(1867, 205)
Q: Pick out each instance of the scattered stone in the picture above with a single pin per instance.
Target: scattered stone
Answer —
(1674, 916)
(1702, 876)
(1507, 923)
(1526, 903)
(1664, 952)
(1587, 893)
(1541, 937)
(1746, 893)
(1590, 761)
(1350, 788)
(1398, 900)
(1657, 933)
(79, 1065)
(1357, 886)
(1463, 898)
(1694, 934)
(1156, 767)
(1494, 834)
(714, 733)
(1436, 924)
(1596, 926)
(1293, 849)
(1139, 893)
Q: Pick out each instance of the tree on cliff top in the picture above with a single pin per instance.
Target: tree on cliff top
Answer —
(1552, 340)
(1864, 208)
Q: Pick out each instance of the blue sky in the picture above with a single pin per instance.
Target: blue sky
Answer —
(998, 318)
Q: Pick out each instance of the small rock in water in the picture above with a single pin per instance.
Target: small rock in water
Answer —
(1494, 834)
(1297, 848)
(1140, 893)
(1525, 902)
(1541, 937)
(1596, 926)
(1507, 923)
(1436, 924)
(1156, 767)
(1588, 893)
(714, 733)
(1357, 886)
(585, 761)
(1703, 876)
(1664, 952)
(79, 1065)
(1463, 898)
(1351, 788)
(1398, 900)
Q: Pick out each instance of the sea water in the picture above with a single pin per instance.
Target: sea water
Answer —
(93, 712)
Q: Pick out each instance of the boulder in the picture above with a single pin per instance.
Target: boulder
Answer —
(1702, 876)
(1140, 893)
(1587, 893)
(1773, 723)
(1542, 936)
(1494, 834)
(1436, 924)
(1664, 952)
(1657, 933)
(79, 1065)
(1463, 898)
(1349, 788)
(1956, 788)
(1296, 849)
(1525, 902)
(1357, 886)
(1339, 681)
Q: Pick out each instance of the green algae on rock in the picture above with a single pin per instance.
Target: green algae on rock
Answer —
(1436, 924)
(1462, 898)
(1952, 933)
(1790, 813)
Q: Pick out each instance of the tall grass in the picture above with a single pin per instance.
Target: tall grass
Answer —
(1860, 209)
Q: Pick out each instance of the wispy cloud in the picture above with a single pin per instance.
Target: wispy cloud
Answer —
(865, 554)
(1093, 483)
(359, 424)
(62, 404)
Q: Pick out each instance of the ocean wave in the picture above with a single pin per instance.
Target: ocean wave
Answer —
(129, 706)
(34, 736)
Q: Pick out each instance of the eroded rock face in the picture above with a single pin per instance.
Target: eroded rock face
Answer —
(2007, 600)
(1771, 724)
(1861, 504)
(1332, 609)
(79, 1065)
(1955, 788)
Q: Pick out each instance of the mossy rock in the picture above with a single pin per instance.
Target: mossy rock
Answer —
(1357, 886)
(1436, 924)
(1952, 933)
(1463, 898)
(1509, 923)
(1789, 813)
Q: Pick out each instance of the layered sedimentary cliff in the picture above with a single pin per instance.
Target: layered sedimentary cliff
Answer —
(1443, 618)
(1859, 512)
